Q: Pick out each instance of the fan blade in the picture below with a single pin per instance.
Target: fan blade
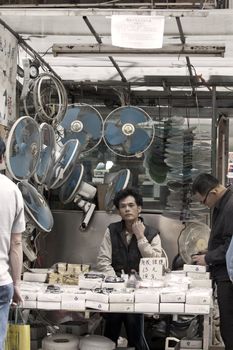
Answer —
(139, 141)
(20, 165)
(92, 124)
(81, 136)
(132, 115)
(71, 115)
(114, 135)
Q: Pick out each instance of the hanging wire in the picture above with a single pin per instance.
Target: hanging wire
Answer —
(47, 111)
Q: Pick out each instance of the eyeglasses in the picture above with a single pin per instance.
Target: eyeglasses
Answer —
(206, 196)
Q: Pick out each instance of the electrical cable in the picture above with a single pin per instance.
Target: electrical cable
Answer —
(57, 111)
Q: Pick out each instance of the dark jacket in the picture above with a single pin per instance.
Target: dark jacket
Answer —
(220, 236)
(126, 257)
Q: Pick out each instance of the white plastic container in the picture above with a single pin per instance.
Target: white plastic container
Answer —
(96, 342)
(61, 341)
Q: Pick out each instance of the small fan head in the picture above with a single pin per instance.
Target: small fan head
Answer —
(23, 148)
(70, 187)
(128, 131)
(118, 181)
(84, 123)
(47, 152)
(193, 239)
(36, 206)
(64, 164)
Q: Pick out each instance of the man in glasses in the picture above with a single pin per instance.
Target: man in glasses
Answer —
(220, 199)
(124, 243)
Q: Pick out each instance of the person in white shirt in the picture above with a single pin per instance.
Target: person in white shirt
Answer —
(12, 224)
(125, 242)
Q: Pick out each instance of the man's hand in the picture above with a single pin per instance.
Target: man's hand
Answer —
(17, 299)
(199, 259)
(138, 229)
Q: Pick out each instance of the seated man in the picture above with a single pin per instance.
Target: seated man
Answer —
(125, 242)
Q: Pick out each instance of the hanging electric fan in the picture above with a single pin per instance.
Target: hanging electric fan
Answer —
(116, 181)
(193, 240)
(36, 206)
(22, 156)
(82, 122)
(38, 216)
(75, 189)
(47, 153)
(64, 164)
(128, 131)
(23, 148)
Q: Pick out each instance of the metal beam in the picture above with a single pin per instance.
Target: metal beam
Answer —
(182, 39)
(27, 48)
(172, 49)
(99, 41)
(73, 10)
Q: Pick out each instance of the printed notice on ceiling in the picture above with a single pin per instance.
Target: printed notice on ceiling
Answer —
(139, 32)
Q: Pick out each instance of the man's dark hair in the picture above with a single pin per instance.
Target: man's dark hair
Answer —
(122, 194)
(2, 147)
(204, 183)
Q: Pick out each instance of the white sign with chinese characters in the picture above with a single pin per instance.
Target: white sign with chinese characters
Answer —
(8, 71)
(138, 32)
(152, 268)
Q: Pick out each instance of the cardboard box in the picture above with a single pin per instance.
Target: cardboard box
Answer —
(124, 307)
(199, 275)
(78, 305)
(28, 295)
(90, 283)
(191, 343)
(35, 277)
(100, 297)
(29, 304)
(171, 307)
(146, 296)
(203, 283)
(113, 285)
(53, 297)
(197, 309)
(49, 305)
(73, 296)
(146, 307)
(97, 305)
(172, 297)
(198, 298)
(194, 268)
(115, 297)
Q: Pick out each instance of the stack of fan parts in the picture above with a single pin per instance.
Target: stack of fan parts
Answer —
(155, 159)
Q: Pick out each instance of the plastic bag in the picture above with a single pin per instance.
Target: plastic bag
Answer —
(18, 333)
